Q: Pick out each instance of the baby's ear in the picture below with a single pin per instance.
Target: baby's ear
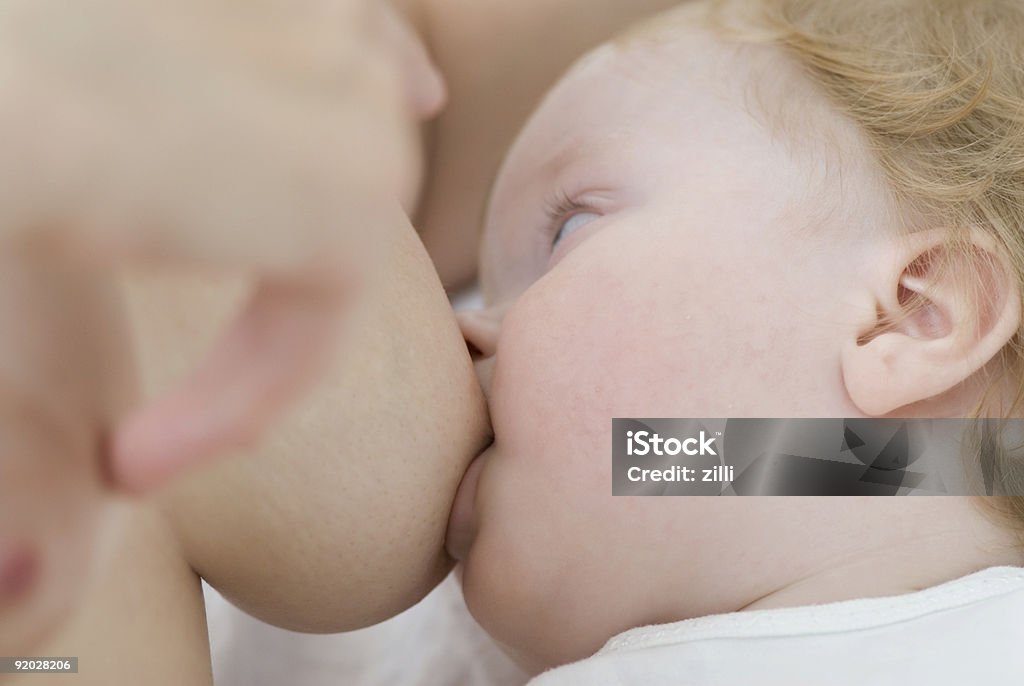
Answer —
(942, 311)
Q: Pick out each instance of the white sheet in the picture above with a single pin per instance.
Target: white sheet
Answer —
(436, 643)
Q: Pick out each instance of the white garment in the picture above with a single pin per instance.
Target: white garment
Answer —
(964, 632)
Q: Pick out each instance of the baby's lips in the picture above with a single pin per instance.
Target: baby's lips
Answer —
(19, 570)
(462, 520)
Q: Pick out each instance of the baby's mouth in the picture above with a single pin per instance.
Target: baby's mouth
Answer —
(462, 521)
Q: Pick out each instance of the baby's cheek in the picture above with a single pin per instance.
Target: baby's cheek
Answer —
(608, 333)
(575, 351)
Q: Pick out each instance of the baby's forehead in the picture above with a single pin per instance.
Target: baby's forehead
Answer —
(674, 79)
(692, 47)
(685, 57)
(696, 46)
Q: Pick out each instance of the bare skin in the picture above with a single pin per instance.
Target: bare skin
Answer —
(173, 135)
(336, 522)
(143, 620)
(663, 287)
(499, 59)
(371, 460)
(437, 417)
(439, 405)
(383, 441)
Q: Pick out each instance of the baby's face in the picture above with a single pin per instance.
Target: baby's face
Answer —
(680, 285)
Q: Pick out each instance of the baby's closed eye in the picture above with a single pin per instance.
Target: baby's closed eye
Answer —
(572, 224)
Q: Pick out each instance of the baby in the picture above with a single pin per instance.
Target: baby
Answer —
(794, 208)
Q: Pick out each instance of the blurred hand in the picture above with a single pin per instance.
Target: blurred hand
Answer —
(268, 137)
(265, 138)
(65, 374)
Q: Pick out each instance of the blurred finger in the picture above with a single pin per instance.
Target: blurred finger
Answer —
(282, 339)
(232, 134)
